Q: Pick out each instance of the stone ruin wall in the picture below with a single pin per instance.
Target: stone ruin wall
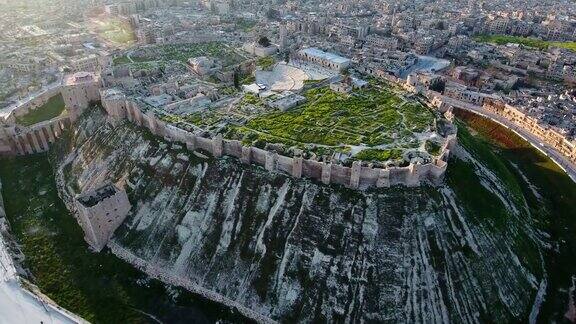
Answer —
(356, 177)
(37, 138)
(34, 139)
(32, 104)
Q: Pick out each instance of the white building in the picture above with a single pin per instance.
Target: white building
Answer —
(325, 59)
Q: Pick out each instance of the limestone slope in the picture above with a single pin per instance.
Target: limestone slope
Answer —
(293, 249)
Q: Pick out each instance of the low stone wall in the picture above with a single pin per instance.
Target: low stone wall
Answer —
(355, 177)
(158, 272)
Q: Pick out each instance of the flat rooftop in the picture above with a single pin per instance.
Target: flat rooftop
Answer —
(313, 51)
(80, 77)
(92, 198)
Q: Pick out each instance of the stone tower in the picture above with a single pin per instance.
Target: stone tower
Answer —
(79, 90)
(100, 212)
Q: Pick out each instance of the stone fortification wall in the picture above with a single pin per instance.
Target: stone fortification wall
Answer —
(32, 104)
(356, 177)
(100, 214)
(160, 273)
(19, 140)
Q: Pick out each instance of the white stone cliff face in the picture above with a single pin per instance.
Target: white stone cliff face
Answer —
(298, 250)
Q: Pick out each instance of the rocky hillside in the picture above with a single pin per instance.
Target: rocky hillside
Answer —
(299, 250)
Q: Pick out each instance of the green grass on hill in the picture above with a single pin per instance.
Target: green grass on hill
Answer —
(53, 108)
(97, 286)
(550, 196)
(371, 116)
(526, 41)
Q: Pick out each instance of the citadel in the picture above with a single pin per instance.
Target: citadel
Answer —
(358, 118)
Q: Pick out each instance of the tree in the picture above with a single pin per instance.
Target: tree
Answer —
(438, 86)
(264, 41)
(236, 80)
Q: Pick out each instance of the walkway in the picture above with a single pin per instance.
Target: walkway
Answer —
(557, 157)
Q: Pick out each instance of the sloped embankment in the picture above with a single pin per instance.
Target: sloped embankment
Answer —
(298, 250)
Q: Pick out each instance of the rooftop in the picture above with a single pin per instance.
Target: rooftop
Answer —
(93, 198)
(80, 77)
(313, 51)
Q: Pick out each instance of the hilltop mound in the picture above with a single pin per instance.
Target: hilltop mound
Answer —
(298, 250)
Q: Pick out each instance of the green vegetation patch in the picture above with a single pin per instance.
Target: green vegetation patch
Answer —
(266, 63)
(245, 24)
(97, 286)
(53, 108)
(371, 116)
(432, 147)
(379, 155)
(124, 59)
(526, 41)
(204, 118)
(182, 52)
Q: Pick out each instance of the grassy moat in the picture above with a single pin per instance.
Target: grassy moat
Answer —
(97, 286)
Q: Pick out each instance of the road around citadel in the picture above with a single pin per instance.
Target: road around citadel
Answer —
(558, 158)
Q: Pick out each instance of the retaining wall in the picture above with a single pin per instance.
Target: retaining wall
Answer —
(160, 273)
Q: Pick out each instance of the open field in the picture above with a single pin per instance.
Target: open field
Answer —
(53, 108)
(372, 117)
(181, 53)
(114, 30)
(526, 41)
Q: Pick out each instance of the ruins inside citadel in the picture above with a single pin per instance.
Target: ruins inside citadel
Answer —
(233, 161)
(422, 168)
(411, 148)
